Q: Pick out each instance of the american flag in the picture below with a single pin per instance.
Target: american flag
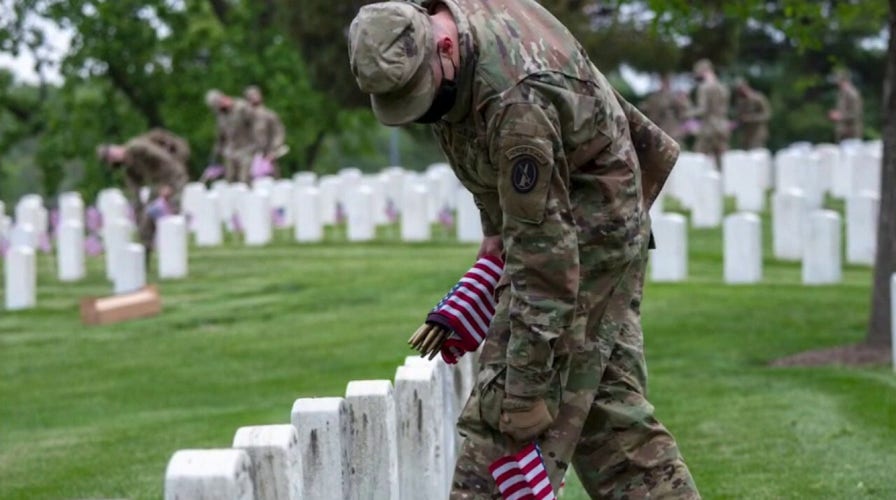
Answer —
(523, 476)
(468, 308)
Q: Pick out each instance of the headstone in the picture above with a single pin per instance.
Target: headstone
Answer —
(209, 475)
(239, 193)
(329, 188)
(843, 174)
(28, 211)
(308, 224)
(225, 203)
(21, 278)
(789, 212)
(414, 221)
(281, 203)
(866, 170)
(373, 451)
(360, 214)
(23, 235)
(172, 245)
(420, 441)
(5, 228)
(444, 391)
(207, 221)
(113, 205)
(828, 164)
(707, 206)
(762, 158)
(733, 162)
(743, 248)
(130, 276)
(71, 208)
(304, 179)
(377, 186)
(256, 218)
(798, 169)
(265, 184)
(469, 222)
(116, 236)
(276, 460)
(749, 191)
(394, 180)
(862, 212)
(192, 201)
(669, 261)
(686, 174)
(324, 433)
(70, 251)
(822, 262)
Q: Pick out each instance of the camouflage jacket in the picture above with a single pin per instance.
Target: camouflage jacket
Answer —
(667, 110)
(849, 104)
(712, 109)
(174, 144)
(539, 137)
(148, 164)
(269, 133)
(236, 129)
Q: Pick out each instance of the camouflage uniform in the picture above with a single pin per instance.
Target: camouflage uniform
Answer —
(667, 109)
(236, 140)
(148, 164)
(753, 113)
(712, 110)
(541, 139)
(849, 104)
(270, 136)
(174, 144)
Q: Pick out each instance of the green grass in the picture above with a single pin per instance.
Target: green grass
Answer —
(97, 412)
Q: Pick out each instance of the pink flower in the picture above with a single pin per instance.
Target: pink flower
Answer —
(93, 246)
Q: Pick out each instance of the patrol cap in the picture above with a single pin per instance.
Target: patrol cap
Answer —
(390, 49)
(702, 65)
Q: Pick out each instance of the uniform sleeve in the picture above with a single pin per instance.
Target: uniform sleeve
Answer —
(489, 227)
(850, 109)
(540, 241)
(278, 134)
(699, 111)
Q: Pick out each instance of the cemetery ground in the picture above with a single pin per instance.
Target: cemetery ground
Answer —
(96, 412)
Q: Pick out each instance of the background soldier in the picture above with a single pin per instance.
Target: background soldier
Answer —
(235, 142)
(668, 109)
(270, 135)
(848, 114)
(174, 144)
(146, 163)
(752, 112)
(538, 135)
(712, 110)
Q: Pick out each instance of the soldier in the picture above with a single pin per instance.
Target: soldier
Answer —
(146, 163)
(270, 137)
(712, 110)
(175, 145)
(668, 109)
(537, 134)
(752, 112)
(848, 114)
(235, 142)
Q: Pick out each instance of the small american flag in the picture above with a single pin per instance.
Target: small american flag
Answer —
(523, 476)
(468, 308)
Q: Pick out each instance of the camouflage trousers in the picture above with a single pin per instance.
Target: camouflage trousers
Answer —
(712, 143)
(238, 166)
(146, 225)
(753, 137)
(604, 425)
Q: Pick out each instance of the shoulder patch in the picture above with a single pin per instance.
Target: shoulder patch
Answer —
(524, 174)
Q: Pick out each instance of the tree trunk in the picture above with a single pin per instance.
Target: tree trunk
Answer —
(314, 148)
(879, 324)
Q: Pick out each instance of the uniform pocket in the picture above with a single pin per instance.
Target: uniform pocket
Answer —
(491, 394)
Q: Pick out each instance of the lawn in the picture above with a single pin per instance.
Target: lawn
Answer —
(97, 412)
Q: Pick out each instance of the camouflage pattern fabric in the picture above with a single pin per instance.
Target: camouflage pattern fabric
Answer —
(172, 143)
(148, 164)
(668, 110)
(753, 113)
(235, 142)
(712, 110)
(849, 104)
(270, 136)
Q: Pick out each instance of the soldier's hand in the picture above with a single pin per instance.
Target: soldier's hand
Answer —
(428, 339)
(524, 419)
(491, 245)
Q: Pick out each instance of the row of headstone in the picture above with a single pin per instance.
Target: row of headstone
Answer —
(378, 441)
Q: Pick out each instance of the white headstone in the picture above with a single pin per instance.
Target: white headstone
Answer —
(265, 184)
(324, 433)
(743, 248)
(71, 208)
(469, 222)
(70, 251)
(130, 276)
(256, 218)
(304, 179)
(329, 188)
(116, 236)
(422, 457)
(308, 227)
(749, 188)
(209, 475)
(762, 158)
(23, 235)
(5, 227)
(373, 451)
(669, 261)
(113, 205)
(866, 172)
(686, 174)
(360, 214)
(822, 262)
(276, 460)
(28, 211)
(207, 220)
(172, 245)
(789, 212)
(394, 180)
(192, 201)
(414, 221)
(281, 202)
(828, 163)
(21, 278)
(732, 170)
(225, 202)
(862, 212)
(377, 185)
(708, 205)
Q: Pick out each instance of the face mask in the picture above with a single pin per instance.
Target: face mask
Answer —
(446, 95)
